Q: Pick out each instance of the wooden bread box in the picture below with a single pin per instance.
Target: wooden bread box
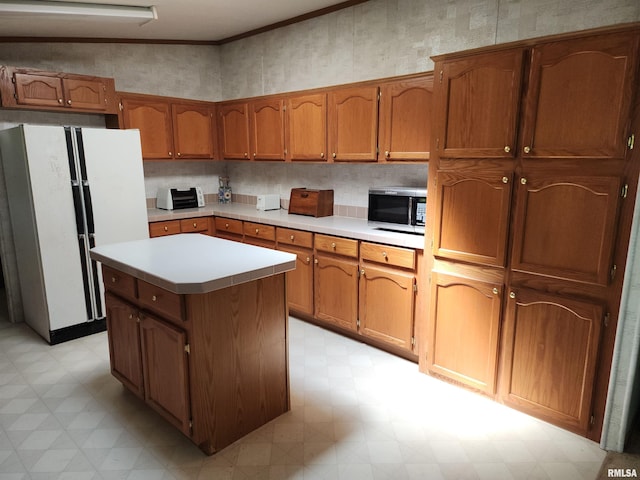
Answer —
(315, 203)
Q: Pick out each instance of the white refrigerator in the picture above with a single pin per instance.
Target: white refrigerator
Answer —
(69, 189)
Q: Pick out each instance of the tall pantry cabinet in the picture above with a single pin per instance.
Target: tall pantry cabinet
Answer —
(531, 185)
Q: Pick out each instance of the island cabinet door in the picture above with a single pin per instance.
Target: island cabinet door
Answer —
(165, 364)
(464, 324)
(549, 360)
(124, 343)
(387, 298)
(336, 291)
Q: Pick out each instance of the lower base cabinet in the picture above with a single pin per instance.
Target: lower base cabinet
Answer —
(463, 330)
(550, 351)
(336, 291)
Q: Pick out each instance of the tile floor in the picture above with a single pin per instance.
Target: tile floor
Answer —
(357, 413)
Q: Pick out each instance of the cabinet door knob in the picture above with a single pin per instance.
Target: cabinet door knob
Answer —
(60, 101)
(507, 148)
(505, 179)
(362, 272)
(308, 259)
(495, 291)
(254, 154)
(387, 153)
(68, 102)
(321, 154)
(113, 279)
(166, 229)
(246, 154)
(523, 181)
(131, 316)
(334, 155)
(154, 298)
(527, 149)
(179, 154)
(512, 295)
(170, 153)
(315, 261)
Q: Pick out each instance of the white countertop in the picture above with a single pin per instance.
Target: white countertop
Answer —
(340, 226)
(193, 263)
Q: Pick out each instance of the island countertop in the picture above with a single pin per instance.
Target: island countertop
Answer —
(193, 263)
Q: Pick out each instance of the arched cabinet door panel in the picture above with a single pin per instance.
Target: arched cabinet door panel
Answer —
(464, 324)
(472, 216)
(565, 226)
(477, 105)
(550, 350)
(579, 97)
(234, 130)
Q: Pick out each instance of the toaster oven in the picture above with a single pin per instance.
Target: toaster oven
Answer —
(176, 198)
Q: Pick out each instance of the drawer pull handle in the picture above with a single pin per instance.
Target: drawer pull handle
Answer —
(384, 254)
(226, 225)
(257, 231)
(154, 298)
(131, 316)
(166, 229)
(333, 245)
(113, 279)
(292, 237)
(195, 225)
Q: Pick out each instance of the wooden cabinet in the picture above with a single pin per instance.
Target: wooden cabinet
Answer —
(307, 127)
(387, 298)
(185, 225)
(36, 89)
(353, 124)
(193, 131)
(551, 346)
(165, 367)
(300, 280)
(477, 105)
(336, 290)
(578, 99)
(266, 128)
(472, 214)
(170, 129)
(565, 224)
(229, 228)
(259, 234)
(234, 130)
(124, 343)
(547, 217)
(404, 124)
(463, 327)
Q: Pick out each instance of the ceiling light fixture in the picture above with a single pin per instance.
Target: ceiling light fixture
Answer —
(80, 11)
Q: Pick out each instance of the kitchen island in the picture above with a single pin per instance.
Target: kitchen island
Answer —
(197, 328)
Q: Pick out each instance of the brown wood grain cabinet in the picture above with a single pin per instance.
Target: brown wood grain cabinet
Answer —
(170, 128)
(543, 214)
(36, 89)
(229, 228)
(353, 124)
(477, 105)
(472, 214)
(551, 347)
(404, 123)
(266, 129)
(185, 225)
(463, 327)
(306, 126)
(300, 280)
(234, 130)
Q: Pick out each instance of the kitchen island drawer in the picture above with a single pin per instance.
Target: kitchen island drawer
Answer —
(228, 225)
(388, 255)
(260, 230)
(161, 301)
(338, 245)
(160, 229)
(289, 236)
(118, 282)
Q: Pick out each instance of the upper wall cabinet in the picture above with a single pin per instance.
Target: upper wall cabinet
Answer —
(234, 130)
(578, 99)
(170, 130)
(35, 89)
(266, 129)
(477, 105)
(307, 127)
(353, 124)
(405, 109)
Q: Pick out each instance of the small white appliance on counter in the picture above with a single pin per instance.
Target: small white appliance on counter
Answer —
(268, 202)
(176, 198)
(70, 189)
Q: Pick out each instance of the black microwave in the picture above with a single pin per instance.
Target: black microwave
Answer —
(401, 209)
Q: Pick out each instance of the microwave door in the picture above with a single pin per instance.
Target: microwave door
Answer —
(389, 209)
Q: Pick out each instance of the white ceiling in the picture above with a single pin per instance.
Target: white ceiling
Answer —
(182, 20)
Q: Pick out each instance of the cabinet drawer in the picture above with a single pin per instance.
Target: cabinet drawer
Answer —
(160, 229)
(259, 230)
(118, 282)
(341, 246)
(228, 225)
(388, 255)
(190, 225)
(161, 301)
(294, 237)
